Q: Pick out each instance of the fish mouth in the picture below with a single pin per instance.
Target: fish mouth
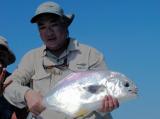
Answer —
(134, 91)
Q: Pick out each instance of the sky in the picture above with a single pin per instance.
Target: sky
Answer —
(127, 32)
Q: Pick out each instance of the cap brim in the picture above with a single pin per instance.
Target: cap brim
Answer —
(68, 18)
(36, 17)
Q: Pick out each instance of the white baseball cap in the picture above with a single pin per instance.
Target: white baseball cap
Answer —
(52, 8)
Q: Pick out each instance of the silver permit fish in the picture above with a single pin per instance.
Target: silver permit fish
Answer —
(82, 92)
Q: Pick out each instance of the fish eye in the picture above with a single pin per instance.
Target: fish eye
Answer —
(126, 84)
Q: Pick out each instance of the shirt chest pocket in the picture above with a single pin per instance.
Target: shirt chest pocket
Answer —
(78, 66)
(78, 63)
(41, 82)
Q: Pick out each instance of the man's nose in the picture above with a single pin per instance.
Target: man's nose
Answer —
(50, 31)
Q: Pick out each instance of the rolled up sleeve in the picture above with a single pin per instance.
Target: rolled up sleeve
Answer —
(15, 92)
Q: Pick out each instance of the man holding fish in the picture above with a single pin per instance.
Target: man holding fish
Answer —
(45, 66)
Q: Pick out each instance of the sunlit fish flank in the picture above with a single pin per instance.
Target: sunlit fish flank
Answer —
(82, 92)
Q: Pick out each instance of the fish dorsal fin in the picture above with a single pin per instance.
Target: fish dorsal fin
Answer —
(95, 89)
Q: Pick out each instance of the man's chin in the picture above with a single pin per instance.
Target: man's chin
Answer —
(53, 48)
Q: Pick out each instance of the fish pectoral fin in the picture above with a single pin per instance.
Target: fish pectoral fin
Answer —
(81, 113)
(95, 88)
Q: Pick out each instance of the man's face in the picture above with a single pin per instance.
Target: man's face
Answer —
(52, 32)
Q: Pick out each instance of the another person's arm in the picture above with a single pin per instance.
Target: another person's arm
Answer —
(2, 80)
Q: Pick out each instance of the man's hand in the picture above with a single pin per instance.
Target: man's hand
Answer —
(109, 104)
(34, 102)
